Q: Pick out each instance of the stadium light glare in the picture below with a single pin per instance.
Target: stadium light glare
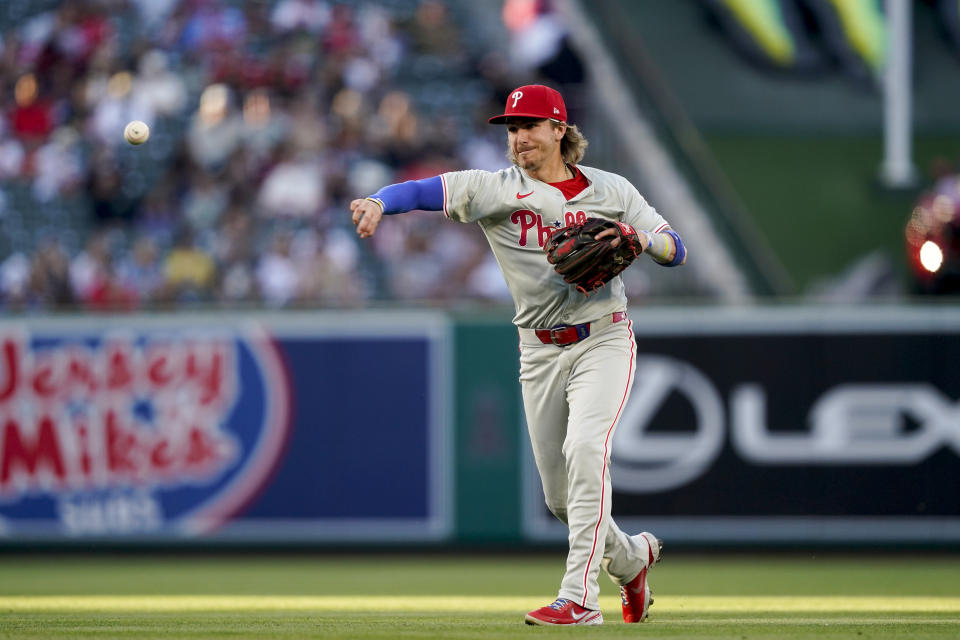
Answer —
(931, 256)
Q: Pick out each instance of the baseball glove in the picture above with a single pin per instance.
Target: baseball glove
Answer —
(586, 262)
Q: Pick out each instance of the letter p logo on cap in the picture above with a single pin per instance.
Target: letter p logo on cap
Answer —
(539, 102)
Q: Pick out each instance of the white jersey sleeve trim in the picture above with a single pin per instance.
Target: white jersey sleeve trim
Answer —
(665, 225)
(443, 181)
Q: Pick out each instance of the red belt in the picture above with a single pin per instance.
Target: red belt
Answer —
(565, 334)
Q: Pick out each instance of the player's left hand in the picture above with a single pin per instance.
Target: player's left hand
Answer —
(366, 215)
(612, 233)
(590, 253)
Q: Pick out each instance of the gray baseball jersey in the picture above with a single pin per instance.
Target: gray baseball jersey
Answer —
(517, 214)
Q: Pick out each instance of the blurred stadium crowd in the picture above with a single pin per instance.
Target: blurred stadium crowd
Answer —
(267, 118)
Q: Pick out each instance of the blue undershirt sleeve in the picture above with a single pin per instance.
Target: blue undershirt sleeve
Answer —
(426, 194)
(681, 251)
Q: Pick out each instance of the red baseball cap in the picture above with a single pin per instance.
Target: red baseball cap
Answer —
(533, 101)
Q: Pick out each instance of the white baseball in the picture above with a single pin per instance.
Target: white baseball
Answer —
(136, 132)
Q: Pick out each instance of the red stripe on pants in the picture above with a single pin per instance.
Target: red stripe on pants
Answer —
(603, 471)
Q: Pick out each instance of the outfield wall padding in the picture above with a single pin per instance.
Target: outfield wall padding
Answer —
(790, 425)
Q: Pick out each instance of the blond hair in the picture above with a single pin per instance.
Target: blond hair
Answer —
(573, 145)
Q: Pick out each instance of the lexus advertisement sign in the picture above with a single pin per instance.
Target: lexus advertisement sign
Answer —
(787, 426)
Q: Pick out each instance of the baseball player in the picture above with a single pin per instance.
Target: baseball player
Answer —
(576, 349)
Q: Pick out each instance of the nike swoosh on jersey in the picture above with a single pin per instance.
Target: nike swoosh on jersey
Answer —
(521, 197)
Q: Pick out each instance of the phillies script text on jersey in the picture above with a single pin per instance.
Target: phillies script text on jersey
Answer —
(528, 221)
(96, 426)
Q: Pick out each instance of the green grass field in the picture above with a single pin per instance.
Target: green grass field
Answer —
(325, 596)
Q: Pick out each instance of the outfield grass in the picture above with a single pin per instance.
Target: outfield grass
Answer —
(474, 597)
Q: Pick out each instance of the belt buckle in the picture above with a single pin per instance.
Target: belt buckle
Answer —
(553, 335)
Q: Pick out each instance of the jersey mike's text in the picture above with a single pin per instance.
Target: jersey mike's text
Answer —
(77, 416)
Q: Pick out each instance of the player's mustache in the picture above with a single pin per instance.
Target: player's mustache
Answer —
(513, 153)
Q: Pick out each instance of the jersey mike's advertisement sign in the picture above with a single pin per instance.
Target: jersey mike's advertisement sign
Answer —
(167, 430)
(132, 432)
(790, 426)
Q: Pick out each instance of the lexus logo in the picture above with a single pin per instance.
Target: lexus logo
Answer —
(868, 424)
(645, 462)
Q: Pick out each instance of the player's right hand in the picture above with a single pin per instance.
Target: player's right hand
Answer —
(366, 215)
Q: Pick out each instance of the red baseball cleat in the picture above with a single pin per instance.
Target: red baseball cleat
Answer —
(636, 596)
(564, 611)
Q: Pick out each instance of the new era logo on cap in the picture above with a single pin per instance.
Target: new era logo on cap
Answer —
(533, 101)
